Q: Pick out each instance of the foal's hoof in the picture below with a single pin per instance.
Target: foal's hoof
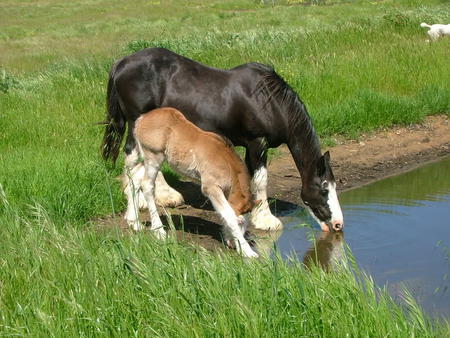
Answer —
(245, 250)
(249, 254)
(160, 233)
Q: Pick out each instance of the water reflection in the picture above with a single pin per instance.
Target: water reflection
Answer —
(326, 251)
(325, 248)
(428, 183)
(397, 230)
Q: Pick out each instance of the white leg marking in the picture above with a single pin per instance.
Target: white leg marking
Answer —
(152, 164)
(165, 195)
(261, 216)
(243, 221)
(133, 184)
(136, 173)
(232, 230)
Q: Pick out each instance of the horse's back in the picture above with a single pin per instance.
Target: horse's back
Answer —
(224, 101)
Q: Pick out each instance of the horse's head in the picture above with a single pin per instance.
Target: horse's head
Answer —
(320, 197)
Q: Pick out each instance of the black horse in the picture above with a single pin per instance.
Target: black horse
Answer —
(249, 104)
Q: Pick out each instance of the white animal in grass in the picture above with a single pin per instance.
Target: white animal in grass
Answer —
(437, 30)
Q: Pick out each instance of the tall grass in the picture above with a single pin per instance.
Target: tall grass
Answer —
(71, 282)
(358, 66)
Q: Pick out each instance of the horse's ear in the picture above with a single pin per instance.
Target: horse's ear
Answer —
(327, 156)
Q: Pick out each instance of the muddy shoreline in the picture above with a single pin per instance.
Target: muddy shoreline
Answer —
(355, 163)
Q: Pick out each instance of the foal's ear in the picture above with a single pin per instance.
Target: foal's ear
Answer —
(323, 165)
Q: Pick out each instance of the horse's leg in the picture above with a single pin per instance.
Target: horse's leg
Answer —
(132, 178)
(256, 160)
(152, 163)
(232, 229)
(166, 195)
(134, 170)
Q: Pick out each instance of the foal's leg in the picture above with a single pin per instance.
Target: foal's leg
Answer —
(232, 229)
(165, 194)
(152, 162)
(134, 171)
(256, 160)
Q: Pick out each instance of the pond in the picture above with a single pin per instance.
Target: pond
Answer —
(398, 230)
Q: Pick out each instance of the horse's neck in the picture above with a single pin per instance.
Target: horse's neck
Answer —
(305, 150)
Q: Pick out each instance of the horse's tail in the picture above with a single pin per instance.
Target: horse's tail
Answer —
(115, 122)
(423, 24)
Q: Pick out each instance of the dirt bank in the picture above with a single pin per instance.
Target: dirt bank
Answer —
(355, 162)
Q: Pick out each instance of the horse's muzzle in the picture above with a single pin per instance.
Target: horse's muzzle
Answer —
(332, 226)
(337, 225)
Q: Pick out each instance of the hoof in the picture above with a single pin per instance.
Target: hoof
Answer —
(245, 250)
(230, 244)
(266, 221)
(168, 197)
(136, 226)
(249, 253)
(160, 233)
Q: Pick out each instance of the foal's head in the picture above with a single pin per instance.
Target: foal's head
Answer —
(320, 197)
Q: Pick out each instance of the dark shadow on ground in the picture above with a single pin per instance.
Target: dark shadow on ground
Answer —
(193, 197)
(195, 225)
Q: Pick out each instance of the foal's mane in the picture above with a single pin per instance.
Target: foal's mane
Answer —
(300, 127)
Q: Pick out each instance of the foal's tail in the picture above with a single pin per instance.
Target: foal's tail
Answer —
(115, 122)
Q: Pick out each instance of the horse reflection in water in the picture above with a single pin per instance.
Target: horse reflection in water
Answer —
(326, 251)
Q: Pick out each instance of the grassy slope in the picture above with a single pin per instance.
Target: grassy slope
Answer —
(357, 67)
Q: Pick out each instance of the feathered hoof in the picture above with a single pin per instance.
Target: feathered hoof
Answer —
(249, 253)
(264, 220)
(168, 197)
(245, 250)
(136, 226)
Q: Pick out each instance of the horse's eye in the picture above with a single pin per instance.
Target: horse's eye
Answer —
(306, 203)
(324, 184)
(324, 192)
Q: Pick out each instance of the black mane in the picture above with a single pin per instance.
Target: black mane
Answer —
(300, 125)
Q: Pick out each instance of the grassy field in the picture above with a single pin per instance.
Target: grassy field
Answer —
(358, 66)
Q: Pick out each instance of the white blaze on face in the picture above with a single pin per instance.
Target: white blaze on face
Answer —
(335, 207)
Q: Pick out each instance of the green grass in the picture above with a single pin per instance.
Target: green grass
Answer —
(82, 282)
(358, 66)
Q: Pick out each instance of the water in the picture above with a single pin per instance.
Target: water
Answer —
(398, 230)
